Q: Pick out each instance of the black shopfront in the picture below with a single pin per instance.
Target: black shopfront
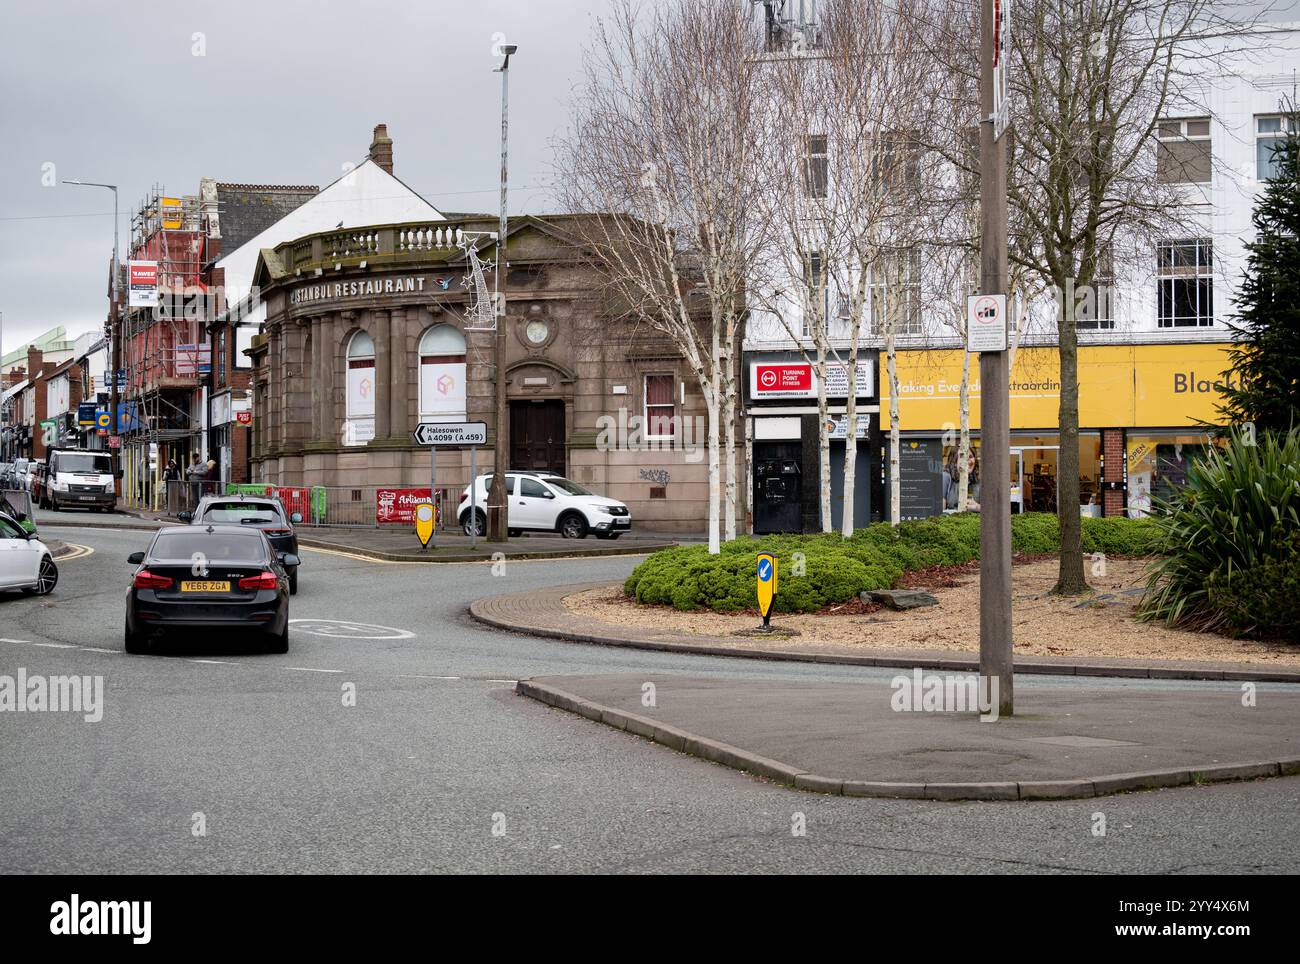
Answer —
(783, 433)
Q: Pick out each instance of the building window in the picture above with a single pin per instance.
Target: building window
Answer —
(1270, 133)
(1094, 308)
(816, 166)
(221, 357)
(659, 407)
(1185, 298)
(1183, 151)
(442, 374)
(814, 277)
(360, 409)
(895, 293)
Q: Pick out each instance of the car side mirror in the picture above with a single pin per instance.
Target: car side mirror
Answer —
(135, 558)
(119, 473)
(295, 517)
(550, 495)
(289, 559)
(185, 516)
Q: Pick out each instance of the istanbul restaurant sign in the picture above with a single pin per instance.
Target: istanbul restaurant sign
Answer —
(324, 291)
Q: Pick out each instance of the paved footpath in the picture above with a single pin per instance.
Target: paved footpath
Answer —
(853, 738)
(543, 613)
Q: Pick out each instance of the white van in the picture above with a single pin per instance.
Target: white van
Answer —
(78, 478)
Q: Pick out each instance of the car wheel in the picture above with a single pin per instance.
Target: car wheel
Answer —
(279, 643)
(47, 577)
(135, 643)
(475, 525)
(293, 581)
(573, 526)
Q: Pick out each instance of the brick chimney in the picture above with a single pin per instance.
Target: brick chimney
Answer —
(381, 148)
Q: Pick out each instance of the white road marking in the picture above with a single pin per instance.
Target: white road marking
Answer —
(502, 681)
(98, 649)
(23, 642)
(215, 662)
(312, 669)
(57, 645)
(417, 676)
(338, 629)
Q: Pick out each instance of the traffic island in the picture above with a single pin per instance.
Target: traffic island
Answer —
(851, 738)
(561, 612)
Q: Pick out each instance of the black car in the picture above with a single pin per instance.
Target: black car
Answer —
(264, 513)
(209, 577)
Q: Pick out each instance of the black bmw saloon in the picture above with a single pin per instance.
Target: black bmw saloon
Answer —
(209, 577)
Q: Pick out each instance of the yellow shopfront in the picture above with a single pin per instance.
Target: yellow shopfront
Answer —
(1142, 412)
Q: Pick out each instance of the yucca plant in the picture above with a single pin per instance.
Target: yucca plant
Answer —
(1229, 538)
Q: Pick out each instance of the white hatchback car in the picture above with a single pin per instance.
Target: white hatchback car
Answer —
(542, 502)
(25, 561)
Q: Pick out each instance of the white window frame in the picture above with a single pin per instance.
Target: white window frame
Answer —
(1183, 136)
(1169, 274)
(645, 404)
(1285, 126)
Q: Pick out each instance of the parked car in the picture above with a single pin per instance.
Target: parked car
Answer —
(25, 561)
(212, 576)
(264, 512)
(6, 474)
(545, 502)
(77, 477)
(20, 477)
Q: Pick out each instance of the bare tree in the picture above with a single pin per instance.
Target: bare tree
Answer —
(662, 138)
(1092, 81)
(842, 134)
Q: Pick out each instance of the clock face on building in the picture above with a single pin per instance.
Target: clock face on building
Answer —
(536, 331)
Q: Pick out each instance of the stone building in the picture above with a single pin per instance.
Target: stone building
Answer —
(366, 336)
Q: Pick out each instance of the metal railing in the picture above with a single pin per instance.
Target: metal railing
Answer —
(348, 506)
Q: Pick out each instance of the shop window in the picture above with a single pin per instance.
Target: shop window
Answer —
(1185, 297)
(360, 406)
(442, 373)
(816, 166)
(660, 410)
(1270, 132)
(1157, 467)
(1183, 151)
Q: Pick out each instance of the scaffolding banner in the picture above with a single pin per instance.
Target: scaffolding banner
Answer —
(142, 284)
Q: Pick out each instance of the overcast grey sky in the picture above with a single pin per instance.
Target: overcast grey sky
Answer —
(287, 92)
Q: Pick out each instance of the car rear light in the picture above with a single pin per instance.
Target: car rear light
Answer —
(263, 580)
(464, 496)
(144, 579)
(278, 532)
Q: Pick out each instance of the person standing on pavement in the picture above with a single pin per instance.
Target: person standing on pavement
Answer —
(195, 474)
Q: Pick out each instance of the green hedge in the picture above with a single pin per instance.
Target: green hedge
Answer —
(837, 569)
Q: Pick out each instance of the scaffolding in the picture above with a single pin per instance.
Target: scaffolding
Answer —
(164, 349)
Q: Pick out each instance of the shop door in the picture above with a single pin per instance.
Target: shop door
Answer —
(861, 485)
(778, 487)
(537, 436)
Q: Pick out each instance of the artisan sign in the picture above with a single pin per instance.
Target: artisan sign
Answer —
(359, 288)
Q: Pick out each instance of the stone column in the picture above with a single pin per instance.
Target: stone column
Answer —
(400, 374)
(318, 389)
(383, 370)
(336, 359)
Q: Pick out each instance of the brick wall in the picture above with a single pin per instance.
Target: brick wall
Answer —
(1112, 444)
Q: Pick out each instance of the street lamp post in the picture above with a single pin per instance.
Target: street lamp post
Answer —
(113, 327)
(498, 512)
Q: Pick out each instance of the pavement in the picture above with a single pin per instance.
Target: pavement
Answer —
(437, 752)
(396, 543)
(543, 613)
(852, 739)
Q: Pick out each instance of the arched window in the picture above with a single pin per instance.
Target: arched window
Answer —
(360, 427)
(442, 374)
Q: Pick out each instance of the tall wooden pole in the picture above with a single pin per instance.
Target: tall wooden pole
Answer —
(995, 412)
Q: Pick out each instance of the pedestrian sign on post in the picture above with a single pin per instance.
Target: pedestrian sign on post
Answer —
(766, 586)
(424, 519)
(986, 323)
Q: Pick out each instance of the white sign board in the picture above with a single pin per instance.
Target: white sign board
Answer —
(986, 323)
(450, 433)
(141, 284)
(442, 390)
(837, 428)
